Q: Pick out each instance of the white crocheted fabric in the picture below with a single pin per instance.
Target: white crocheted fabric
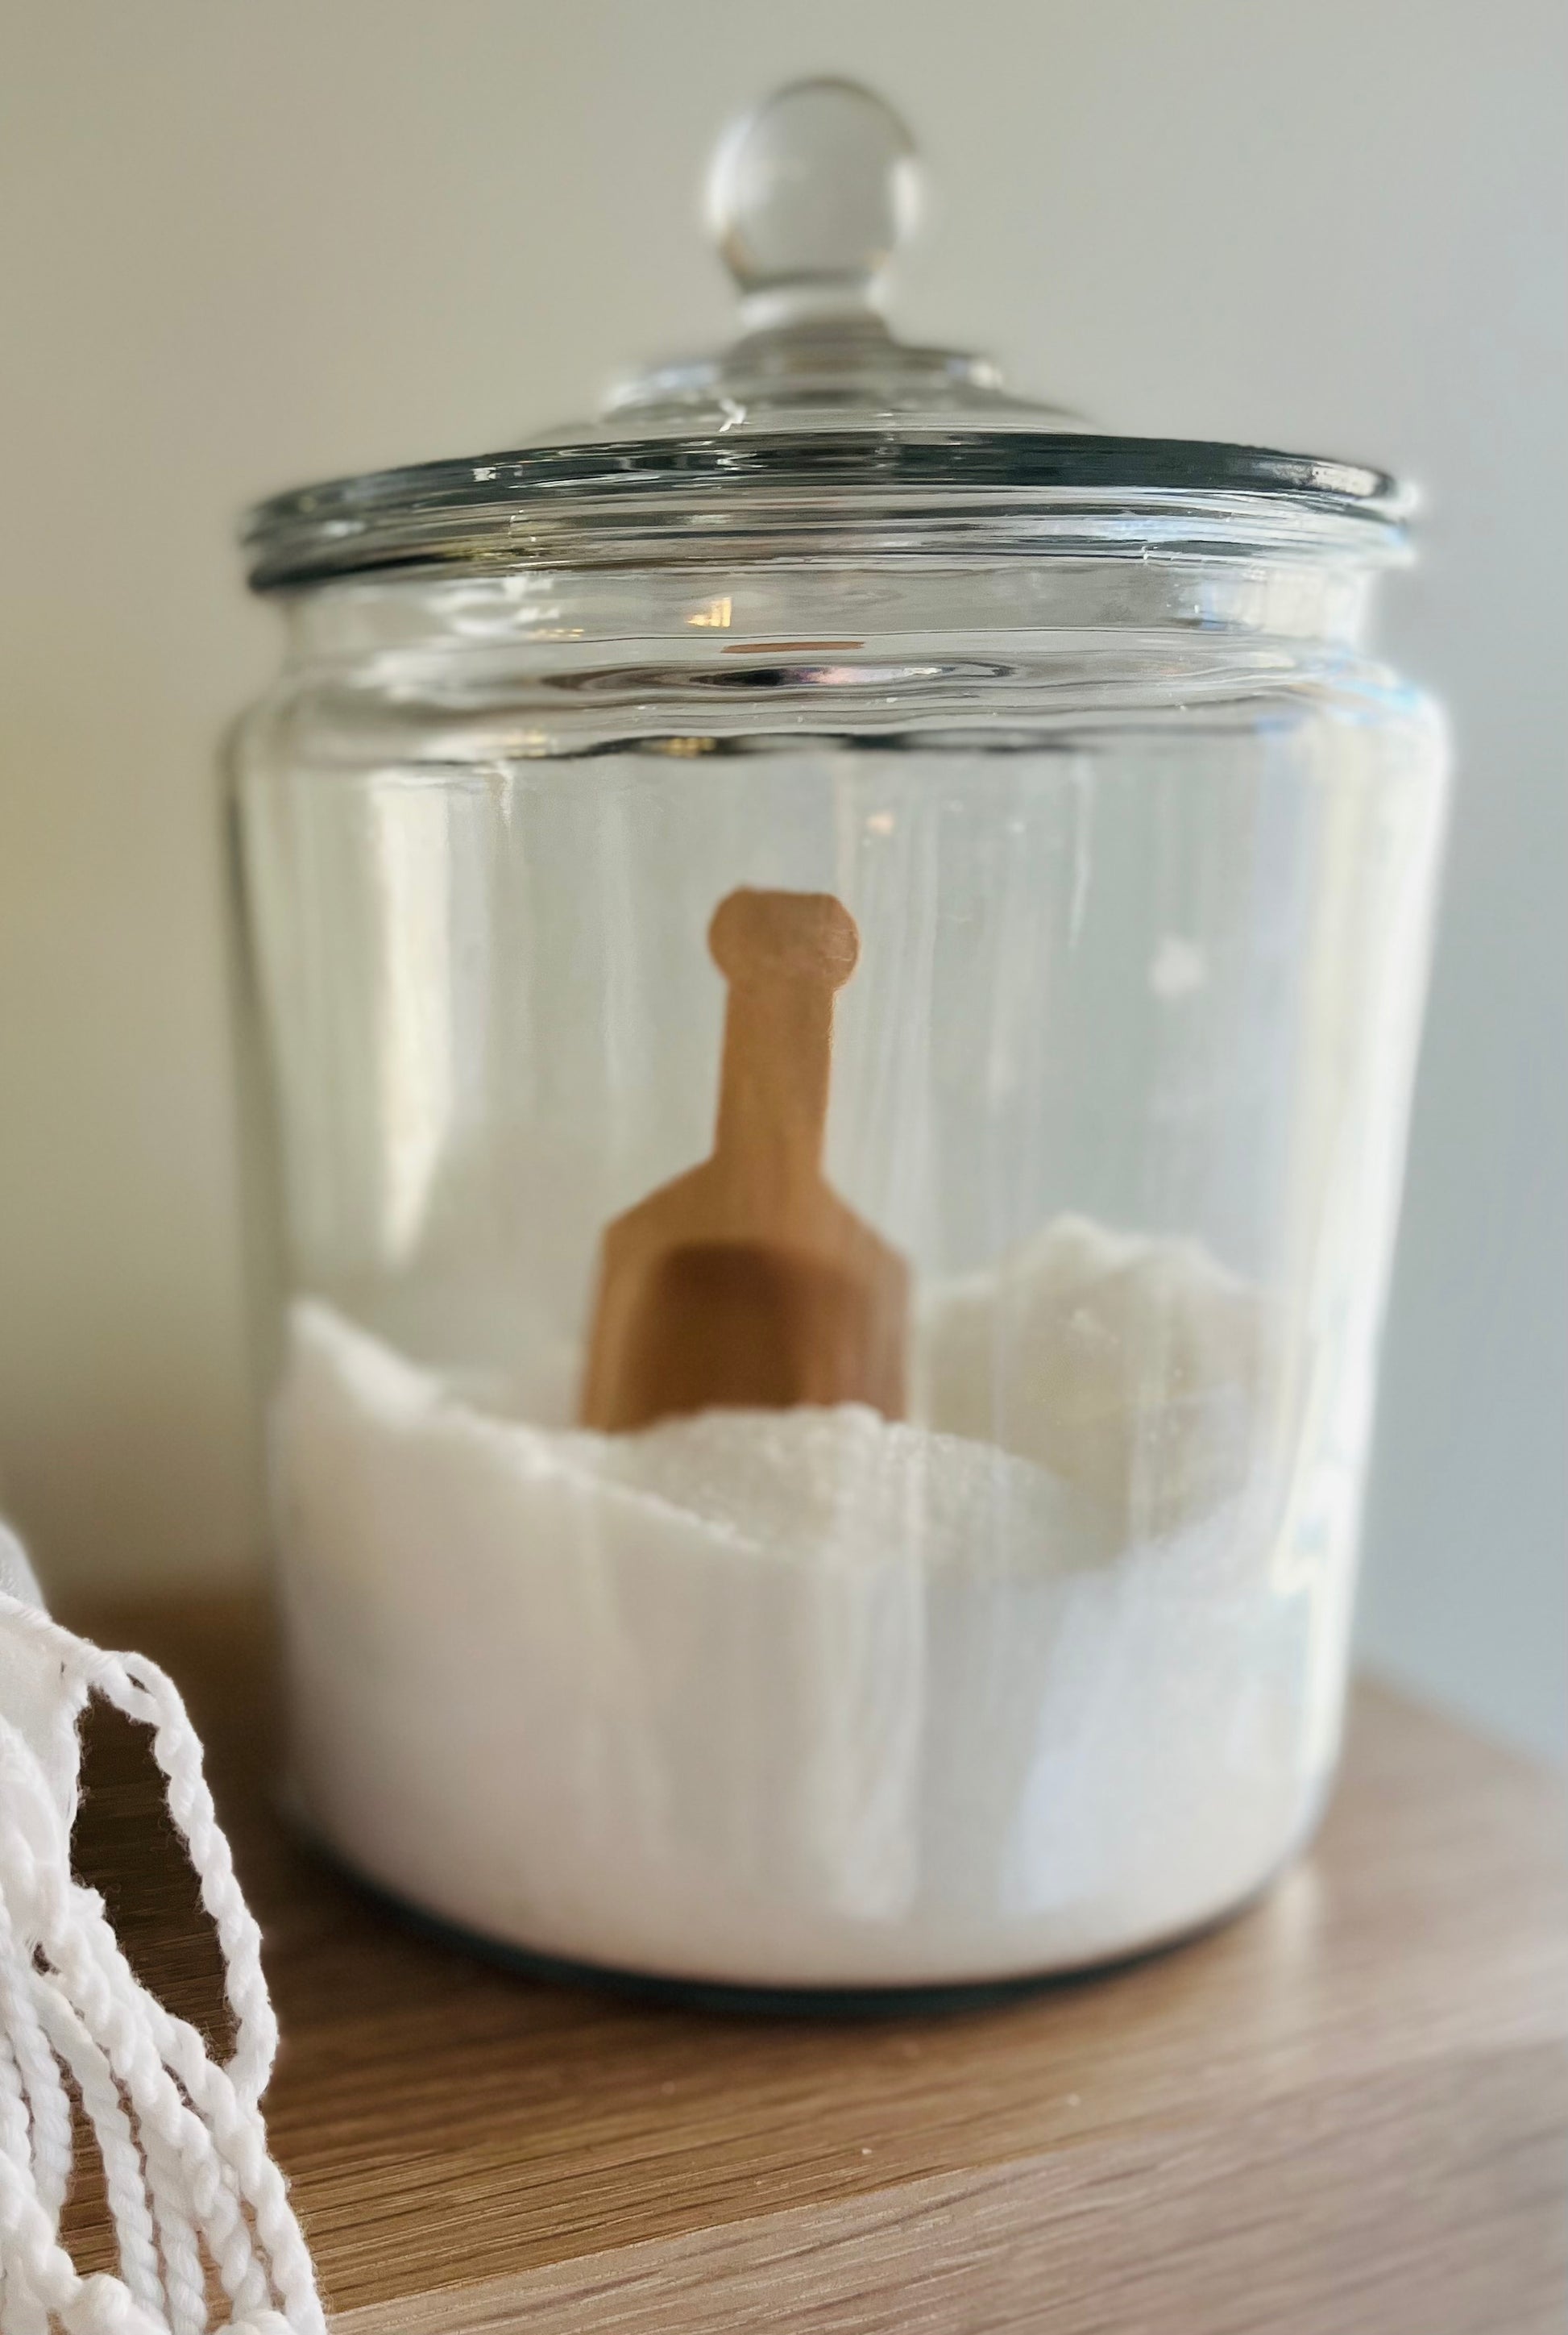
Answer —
(196, 2198)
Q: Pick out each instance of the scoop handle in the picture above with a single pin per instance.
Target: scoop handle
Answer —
(784, 955)
(809, 938)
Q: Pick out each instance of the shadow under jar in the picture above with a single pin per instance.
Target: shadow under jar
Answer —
(1006, 1631)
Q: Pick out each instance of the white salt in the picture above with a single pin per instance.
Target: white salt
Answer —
(802, 1697)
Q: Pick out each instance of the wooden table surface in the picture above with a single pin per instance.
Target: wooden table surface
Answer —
(1344, 2114)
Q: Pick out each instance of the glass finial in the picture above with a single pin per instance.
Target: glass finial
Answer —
(809, 195)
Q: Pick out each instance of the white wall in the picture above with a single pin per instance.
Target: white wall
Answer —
(246, 245)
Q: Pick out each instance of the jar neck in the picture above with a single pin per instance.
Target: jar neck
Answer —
(1300, 606)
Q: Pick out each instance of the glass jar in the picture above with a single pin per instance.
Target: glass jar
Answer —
(841, 957)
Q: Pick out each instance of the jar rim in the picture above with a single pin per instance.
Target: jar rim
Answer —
(828, 493)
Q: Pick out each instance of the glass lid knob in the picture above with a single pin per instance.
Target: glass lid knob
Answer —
(809, 197)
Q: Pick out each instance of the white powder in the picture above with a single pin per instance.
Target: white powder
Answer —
(802, 1697)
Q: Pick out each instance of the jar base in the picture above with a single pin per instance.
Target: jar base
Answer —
(738, 1998)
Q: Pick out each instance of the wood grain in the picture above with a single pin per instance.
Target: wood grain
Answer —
(1345, 2112)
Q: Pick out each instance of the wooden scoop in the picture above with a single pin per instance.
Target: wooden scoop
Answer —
(747, 1283)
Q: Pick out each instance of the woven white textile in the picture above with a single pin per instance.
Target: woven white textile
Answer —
(195, 2195)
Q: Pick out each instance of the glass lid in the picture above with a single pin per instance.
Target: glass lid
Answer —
(818, 431)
